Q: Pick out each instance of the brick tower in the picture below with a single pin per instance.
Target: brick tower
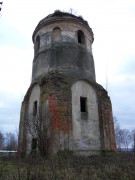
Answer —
(71, 109)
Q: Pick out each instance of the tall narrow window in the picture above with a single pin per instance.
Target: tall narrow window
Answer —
(56, 34)
(81, 38)
(34, 144)
(83, 104)
(35, 108)
(37, 43)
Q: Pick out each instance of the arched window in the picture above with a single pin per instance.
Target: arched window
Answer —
(80, 36)
(56, 34)
(37, 43)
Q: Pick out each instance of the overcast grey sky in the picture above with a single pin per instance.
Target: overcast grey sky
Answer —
(113, 24)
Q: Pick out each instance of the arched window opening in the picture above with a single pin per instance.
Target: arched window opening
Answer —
(81, 38)
(37, 43)
(56, 34)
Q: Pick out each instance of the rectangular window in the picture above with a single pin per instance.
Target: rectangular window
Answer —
(35, 108)
(83, 104)
(34, 144)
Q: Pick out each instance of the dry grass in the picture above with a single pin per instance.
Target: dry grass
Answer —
(69, 167)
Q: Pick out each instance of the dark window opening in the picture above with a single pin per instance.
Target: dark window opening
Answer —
(81, 38)
(37, 43)
(35, 108)
(83, 104)
(34, 144)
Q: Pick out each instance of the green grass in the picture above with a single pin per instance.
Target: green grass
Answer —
(69, 167)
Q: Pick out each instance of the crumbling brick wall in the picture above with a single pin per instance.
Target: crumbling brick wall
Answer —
(57, 94)
(105, 120)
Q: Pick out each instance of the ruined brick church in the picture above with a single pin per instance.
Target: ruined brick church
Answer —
(77, 109)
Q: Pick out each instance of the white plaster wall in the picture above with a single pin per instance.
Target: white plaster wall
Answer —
(86, 134)
(34, 96)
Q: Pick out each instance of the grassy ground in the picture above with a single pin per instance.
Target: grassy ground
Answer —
(118, 167)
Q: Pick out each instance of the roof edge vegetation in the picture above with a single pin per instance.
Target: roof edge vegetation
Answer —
(60, 14)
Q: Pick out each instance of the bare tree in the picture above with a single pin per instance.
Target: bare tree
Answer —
(118, 133)
(133, 139)
(1, 141)
(119, 137)
(123, 136)
(126, 138)
(11, 141)
(39, 128)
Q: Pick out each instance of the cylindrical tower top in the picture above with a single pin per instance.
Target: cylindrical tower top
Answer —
(61, 16)
(63, 42)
